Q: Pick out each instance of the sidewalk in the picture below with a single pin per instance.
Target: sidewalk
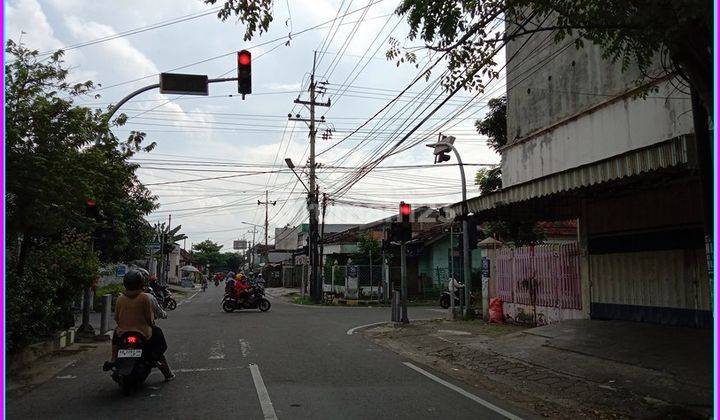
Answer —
(596, 369)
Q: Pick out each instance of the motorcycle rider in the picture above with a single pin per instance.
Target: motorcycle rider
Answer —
(242, 286)
(134, 311)
(230, 286)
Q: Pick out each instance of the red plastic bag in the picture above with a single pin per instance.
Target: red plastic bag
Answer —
(495, 310)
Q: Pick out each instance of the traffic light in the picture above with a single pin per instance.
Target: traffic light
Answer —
(405, 211)
(244, 59)
(91, 209)
(404, 229)
(442, 157)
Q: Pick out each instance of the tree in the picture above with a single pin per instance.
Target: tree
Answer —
(207, 253)
(369, 246)
(60, 155)
(488, 180)
(632, 31)
(494, 125)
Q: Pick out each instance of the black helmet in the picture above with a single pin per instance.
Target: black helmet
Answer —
(133, 280)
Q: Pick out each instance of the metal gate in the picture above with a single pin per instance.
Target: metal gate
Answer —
(541, 275)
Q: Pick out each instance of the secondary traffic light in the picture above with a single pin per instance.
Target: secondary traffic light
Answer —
(91, 209)
(244, 59)
(405, 211)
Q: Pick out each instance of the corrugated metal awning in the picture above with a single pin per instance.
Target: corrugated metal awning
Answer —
(662, 155)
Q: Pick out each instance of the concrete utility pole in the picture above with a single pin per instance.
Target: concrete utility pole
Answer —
(267, 202)
(167, 262)
(312, 192)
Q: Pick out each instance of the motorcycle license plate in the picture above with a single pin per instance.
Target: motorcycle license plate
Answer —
(130, 353)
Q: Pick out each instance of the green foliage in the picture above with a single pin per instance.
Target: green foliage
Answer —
(633, 32)
(367, 245)
(40, 301)
(488, 180)
(519, 233)
(255, 14)
(208, 253)
(494, 125)
(58, 155)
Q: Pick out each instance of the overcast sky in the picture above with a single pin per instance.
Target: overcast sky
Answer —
(224, 136)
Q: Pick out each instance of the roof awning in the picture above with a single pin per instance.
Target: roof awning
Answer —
(668, 154)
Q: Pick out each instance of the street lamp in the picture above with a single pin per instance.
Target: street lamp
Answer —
(291, 165)
(442, 148)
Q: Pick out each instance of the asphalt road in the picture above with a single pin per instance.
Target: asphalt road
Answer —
(294, 362)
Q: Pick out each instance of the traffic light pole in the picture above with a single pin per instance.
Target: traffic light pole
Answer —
(467, 272)
(403, 283)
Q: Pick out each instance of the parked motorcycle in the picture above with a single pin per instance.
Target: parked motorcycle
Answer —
(255, 300)
(134, 362)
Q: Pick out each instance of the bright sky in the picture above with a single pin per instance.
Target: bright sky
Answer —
(241, 141)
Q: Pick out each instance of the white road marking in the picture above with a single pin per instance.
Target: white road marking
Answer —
(263, 396)
(66, 377)
(351, 331)
(216, 351)
(244, 347)
(464, 393)
(444, 311)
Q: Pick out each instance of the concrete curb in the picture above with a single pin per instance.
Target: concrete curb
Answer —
(35, 351)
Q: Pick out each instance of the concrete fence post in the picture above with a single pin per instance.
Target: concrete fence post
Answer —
(105, 314)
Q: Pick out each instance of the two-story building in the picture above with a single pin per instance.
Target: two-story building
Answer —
(583, 145)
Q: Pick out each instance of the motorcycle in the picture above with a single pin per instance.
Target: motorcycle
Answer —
(255, 300)
(134, 362)
(164, 298)
(445, 298)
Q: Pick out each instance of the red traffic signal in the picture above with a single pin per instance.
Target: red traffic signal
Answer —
(90, 202)
(405, 209)
(244, 59)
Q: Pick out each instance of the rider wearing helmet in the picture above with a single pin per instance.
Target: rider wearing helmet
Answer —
(242, 286)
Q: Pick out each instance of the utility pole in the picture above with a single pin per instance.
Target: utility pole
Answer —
(312, 192)
(267, 202)
(322, 238)
(167, 262)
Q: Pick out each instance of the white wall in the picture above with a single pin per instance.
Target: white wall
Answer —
(612, 130)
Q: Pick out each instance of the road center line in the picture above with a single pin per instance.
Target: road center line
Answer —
(464, 393)
(263, 396)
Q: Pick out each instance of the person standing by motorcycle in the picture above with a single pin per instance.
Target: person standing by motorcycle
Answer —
(454, 287)
(134, 311)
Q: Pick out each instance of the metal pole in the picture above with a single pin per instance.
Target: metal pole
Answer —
(105, 315)
(467, 271)
(371, 282)
(403, 283)
(85, 328)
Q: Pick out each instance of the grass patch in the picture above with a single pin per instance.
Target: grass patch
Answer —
(302, 300)
(110, 289)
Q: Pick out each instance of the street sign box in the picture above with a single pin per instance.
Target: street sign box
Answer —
(241, 244)
(184, 84)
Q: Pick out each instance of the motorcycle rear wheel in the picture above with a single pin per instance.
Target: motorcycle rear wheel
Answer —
(445, 301)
